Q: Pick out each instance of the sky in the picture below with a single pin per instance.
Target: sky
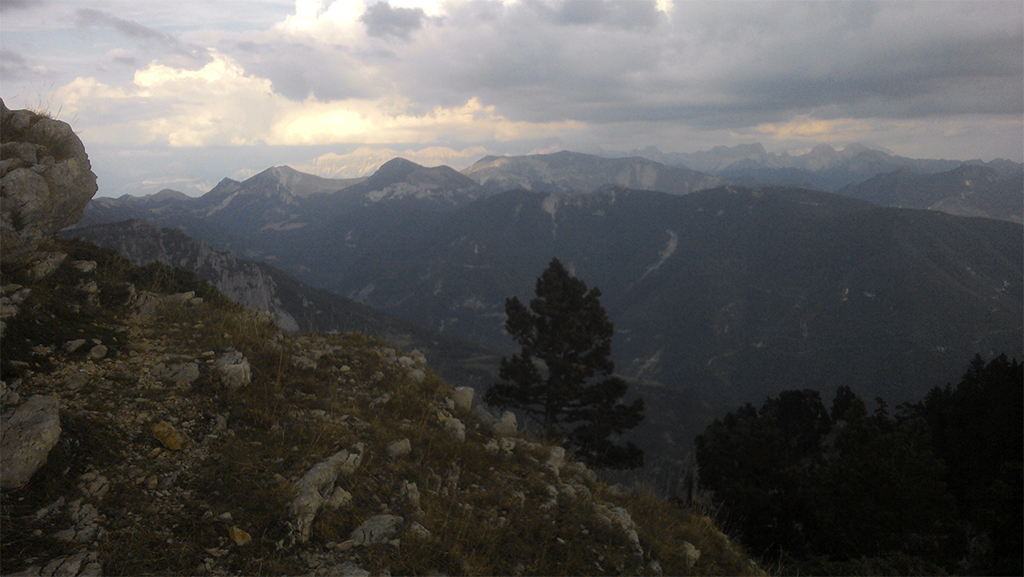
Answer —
(182, 94)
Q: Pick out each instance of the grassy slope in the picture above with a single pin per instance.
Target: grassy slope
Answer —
(166, 511)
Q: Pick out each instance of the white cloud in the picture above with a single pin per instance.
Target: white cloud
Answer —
(220, 104)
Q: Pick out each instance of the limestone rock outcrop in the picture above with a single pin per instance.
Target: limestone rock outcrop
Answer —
(317, 487)
(45, 181)
(26, 438)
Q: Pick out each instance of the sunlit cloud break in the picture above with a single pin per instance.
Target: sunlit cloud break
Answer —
(227, 106)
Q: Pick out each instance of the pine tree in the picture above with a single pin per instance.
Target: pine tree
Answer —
(562, 377)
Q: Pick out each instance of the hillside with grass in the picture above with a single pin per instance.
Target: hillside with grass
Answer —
(195, 437)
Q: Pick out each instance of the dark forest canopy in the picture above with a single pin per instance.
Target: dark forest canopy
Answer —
(936, 487)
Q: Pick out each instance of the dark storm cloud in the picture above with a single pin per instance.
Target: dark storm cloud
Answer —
(15, 67)
(298, 71)
(129, 61)
(723, 65)
(89, 18)
(12, 5)
(382, 20)
(617, 13)
(943, 76)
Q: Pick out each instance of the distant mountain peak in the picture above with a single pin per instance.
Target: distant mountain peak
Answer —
(567, 171)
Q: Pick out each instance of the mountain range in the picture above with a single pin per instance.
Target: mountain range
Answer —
(574, 172)
(968, 190)
(822, 167)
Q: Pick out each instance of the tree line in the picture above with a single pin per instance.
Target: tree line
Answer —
(934, 487)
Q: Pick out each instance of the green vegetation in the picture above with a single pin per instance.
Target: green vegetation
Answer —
(935, 489)
(568, 334)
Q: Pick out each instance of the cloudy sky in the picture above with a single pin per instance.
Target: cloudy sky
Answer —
(180, 94)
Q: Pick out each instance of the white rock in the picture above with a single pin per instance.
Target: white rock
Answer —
(85, 266)
(692, 553)
(376, 529)
(464, 398)
(234, 370)
(507, 444)
(89, 288)
(72, 346)
(303, 362)
(26, 439)
(412, 493)
(556, 459)
(94, 485)
(339, 498)
(46, 265)
(452, 425)
(400, 448)
(181, 375)
(317, 485)
(76, 381)
(506, 425)
(419, 359)
(417, 376)
(66, 565)
(419, 531)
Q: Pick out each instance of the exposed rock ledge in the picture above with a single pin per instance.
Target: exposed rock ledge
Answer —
(45, 181)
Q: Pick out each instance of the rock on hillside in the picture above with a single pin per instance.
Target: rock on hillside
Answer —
(296, 307)
(46, 181)
(199, 439)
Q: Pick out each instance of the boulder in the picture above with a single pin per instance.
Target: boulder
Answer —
(464, 398)
(692, 554)
(506, 426)
(45, 181)
(399, 448)
(454, 426)
(556, 459)
(181, 374)
(376, 529)
(317, 487)
(169, 436)
(26, 439)
(234, 370)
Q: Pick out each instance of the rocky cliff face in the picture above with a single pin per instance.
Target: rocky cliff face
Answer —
(45, 178)
(247, 283)
(295, 306)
